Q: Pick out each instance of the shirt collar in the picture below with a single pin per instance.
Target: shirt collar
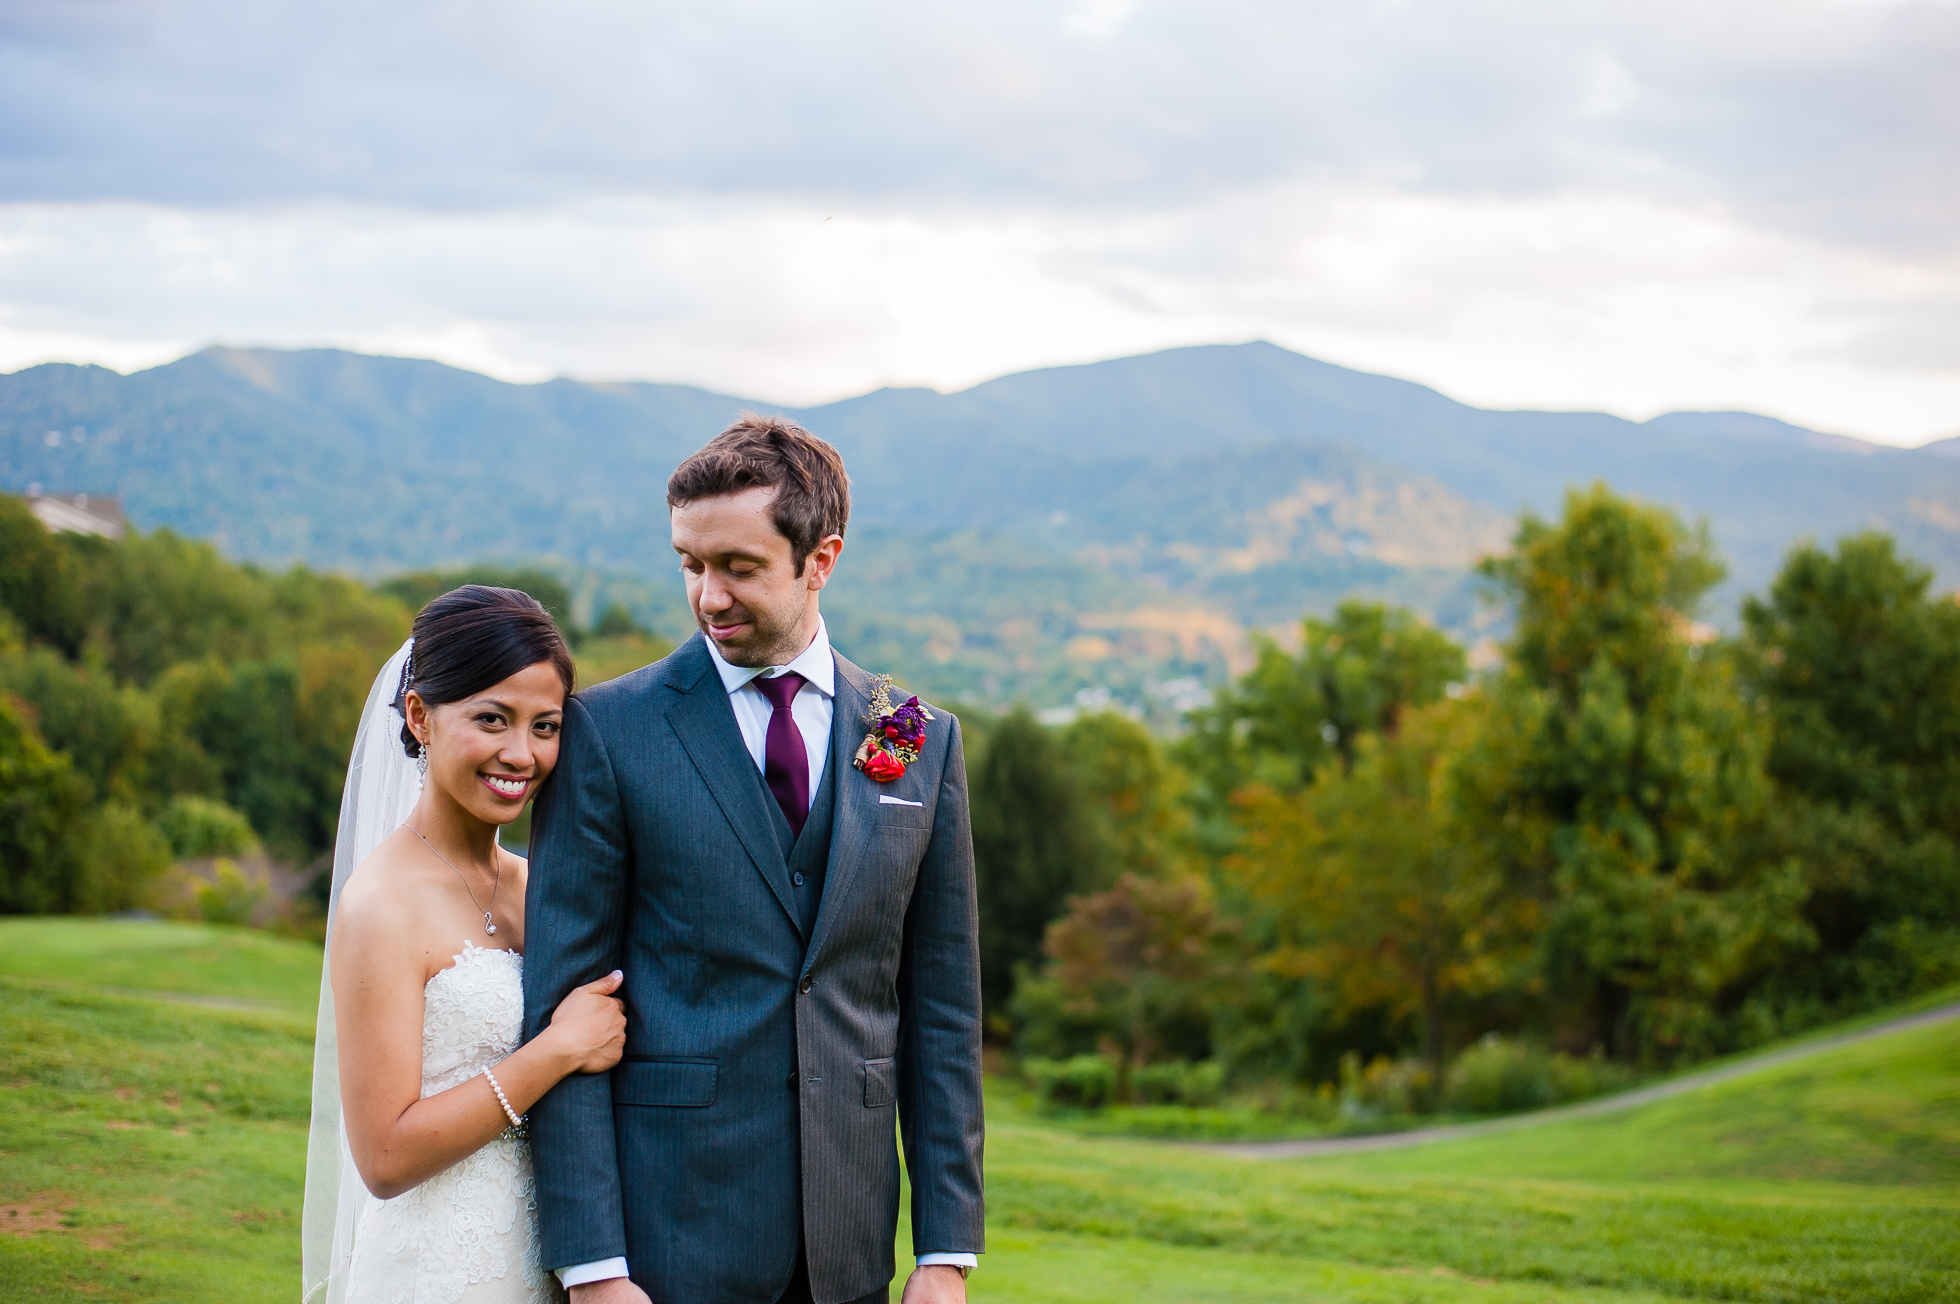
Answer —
(815, 663)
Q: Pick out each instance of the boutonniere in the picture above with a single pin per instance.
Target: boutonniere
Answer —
(895, 736)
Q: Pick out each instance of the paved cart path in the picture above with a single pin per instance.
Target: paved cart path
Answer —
(1604, 1105)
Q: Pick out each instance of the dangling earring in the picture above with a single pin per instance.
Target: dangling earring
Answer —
(422, 766)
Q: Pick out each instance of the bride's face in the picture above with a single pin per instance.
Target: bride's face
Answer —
(488, 753)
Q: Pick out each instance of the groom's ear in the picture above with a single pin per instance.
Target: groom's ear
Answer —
(822, 562)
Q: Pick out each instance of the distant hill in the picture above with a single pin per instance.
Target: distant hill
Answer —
(1113, 524)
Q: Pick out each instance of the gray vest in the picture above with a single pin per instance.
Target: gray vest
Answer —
(808, 854)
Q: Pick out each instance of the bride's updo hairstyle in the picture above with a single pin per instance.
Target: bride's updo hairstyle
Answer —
(472, 638)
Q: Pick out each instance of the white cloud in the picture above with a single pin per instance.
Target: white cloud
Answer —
(1523, 202)
(1581, 301)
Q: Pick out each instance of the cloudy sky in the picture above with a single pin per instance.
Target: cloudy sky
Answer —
(1751, 204)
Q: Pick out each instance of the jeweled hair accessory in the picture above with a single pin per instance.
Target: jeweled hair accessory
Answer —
(407, 681)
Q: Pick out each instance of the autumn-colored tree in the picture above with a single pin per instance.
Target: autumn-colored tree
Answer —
(1620, 781)
(1137, 958)
(1372, 890)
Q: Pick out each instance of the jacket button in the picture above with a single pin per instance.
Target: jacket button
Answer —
(792, 1079)
(797, 878)
(807, 984)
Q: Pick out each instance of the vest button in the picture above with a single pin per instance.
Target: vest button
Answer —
(806, 985)
(797, 878)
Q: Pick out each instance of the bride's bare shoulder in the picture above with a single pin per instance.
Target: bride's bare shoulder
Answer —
(383, 898)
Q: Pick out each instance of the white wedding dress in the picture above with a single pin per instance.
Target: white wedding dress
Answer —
(468, 1235)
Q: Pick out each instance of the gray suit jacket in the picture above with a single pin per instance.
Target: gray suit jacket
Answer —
(754, 1110)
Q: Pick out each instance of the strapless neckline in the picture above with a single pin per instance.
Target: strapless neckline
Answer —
(468, 1235)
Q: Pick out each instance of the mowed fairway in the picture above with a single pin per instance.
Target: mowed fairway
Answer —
(153, 1150)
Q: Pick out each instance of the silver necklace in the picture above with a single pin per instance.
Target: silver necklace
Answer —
(488, 927)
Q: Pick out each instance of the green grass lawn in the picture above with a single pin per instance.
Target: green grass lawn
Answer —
(232, 964)
(154, 1150)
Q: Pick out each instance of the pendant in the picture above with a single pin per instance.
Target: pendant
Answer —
(489, 927)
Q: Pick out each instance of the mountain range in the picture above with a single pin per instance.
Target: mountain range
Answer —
(1115, 528)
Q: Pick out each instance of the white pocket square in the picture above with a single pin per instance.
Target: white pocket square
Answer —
(883, 800)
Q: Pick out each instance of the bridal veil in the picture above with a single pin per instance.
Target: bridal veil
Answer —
(381, 791)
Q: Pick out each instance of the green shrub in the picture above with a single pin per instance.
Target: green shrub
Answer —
(119, 855)
(1499, 1075)
(232, 896)
(1085, 1080)
(1177, 1082)
(197, 828)
(1595, 1075)
(1386, 1086)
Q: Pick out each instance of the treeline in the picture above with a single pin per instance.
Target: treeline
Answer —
(159, 703)
(1368, 870)
(1365, 875)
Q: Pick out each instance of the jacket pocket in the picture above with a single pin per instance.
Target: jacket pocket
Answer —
(880, 1083)
(904, 817)
(676, 1081)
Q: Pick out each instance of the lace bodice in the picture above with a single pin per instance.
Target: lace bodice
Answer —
(472, 1016)
(468, 1235)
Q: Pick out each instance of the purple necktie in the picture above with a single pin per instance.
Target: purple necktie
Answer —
(785, 760)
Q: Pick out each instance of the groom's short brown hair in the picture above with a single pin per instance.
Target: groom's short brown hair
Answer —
(813, 495)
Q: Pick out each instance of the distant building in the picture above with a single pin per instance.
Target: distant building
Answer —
(77, 513)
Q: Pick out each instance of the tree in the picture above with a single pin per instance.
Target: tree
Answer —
(272, 736)
(1281, 722)
(415, 589)
(37, 583)
(1137, 960)
(1858, 666)
(617, 621)
(109, 732)
(1132, 794)
(43, 804)
(1621, 783)
(1374, 893)
(1033, 848)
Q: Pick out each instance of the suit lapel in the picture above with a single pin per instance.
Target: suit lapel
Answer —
(857, 797)
(705, 723)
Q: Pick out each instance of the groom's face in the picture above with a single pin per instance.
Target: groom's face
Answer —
(742, 580)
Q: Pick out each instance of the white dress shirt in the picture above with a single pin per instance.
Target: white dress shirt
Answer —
(813, 708)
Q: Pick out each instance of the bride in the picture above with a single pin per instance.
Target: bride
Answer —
(419, 1186)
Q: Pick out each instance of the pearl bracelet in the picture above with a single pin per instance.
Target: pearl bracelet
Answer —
(519, 1124)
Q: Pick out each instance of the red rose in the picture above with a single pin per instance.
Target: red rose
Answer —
(883, 766)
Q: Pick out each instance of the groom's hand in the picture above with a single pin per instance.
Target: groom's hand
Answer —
(614, 1290)
(935, 1283)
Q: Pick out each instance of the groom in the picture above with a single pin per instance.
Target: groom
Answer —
(798, 937)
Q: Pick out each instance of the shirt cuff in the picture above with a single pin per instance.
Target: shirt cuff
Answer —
(953, 1260)
(581, 1273)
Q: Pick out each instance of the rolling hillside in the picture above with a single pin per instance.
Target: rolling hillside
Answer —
(1117, 524)
(155, 1077)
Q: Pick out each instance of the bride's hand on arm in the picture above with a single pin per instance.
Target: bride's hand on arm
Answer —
(398, 1139)
(589, 1027)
